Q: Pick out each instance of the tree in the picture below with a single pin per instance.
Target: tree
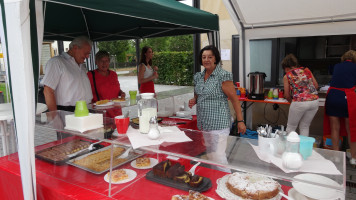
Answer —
(171, 43)
(119, 48)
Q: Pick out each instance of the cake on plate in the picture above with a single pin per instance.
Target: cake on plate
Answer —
(143, 162)
(118, 175)
(252, 186)
(175, 170)
(81, 124)
(196, 181)
(193, 195)
(161, 168)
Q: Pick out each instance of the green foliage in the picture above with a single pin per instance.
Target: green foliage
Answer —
(173, 43)
(4, 90)
(174, 68)
(119, 48)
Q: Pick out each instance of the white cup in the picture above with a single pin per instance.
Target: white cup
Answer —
(186, 107)
(268, 146)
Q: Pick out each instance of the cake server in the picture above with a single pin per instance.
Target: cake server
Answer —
(192, 170)
(285, 196)
(125, 154)
(91, 147)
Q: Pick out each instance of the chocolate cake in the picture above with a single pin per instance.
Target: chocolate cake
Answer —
(196, 181)
(184, 178)
(175, 170)
(161, 168)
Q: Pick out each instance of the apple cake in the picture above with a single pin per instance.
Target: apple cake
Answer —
(143, 162)
(252, 186)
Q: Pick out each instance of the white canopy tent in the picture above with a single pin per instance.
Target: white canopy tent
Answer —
(16, 39)
(258, 19)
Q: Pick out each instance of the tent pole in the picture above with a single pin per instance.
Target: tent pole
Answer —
(196, 43)
(137, 42)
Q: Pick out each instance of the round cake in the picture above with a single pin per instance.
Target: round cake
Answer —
(251, 186)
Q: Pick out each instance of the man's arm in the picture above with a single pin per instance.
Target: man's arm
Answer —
(50, 98)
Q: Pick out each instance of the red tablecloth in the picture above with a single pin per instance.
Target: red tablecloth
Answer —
(68, 182)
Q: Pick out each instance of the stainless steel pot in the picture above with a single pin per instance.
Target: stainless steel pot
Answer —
(256, 87)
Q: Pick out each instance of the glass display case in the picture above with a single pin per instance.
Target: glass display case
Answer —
(64, 163)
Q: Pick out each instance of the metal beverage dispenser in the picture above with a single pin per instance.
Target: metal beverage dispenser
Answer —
(256, 87)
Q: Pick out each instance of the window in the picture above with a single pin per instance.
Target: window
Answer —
(262, 59)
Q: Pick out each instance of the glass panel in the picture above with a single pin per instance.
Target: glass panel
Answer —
(261, 57)
(239, 155)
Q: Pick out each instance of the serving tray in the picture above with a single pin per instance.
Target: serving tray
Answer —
(132, 155)
(39, 155)
(182, 186)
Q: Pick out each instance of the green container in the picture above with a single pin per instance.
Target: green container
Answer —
(81, 109)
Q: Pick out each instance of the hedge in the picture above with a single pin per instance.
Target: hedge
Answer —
(174, 68)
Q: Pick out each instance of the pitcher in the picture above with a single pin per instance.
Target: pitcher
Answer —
(147, 108)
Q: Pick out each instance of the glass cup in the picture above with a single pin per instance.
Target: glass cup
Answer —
(133, 94)
(122, 124)
(81, 109)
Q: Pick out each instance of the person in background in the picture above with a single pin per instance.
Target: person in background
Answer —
(65, 81)
(212, 89)
(340, 108)
(300, 88)
(146, 72)
(104, 82)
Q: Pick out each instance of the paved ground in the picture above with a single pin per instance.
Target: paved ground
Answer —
(128, 83)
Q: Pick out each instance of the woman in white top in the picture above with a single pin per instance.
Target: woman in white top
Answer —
(146, 72)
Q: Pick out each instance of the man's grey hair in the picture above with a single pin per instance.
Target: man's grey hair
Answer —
(80, 41)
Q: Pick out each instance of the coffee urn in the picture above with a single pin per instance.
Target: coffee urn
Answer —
(256, 87)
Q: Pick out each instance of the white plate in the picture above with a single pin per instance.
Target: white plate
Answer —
(208, 197)
(296, 195)
(122, 103)
(152, 161)
(110, 103)
(131, 173)
(315, 191)
(225, 193)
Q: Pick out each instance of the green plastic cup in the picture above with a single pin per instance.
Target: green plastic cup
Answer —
(133, 94)
(81, 109)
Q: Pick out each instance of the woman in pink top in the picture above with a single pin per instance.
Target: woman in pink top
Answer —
(300, 88)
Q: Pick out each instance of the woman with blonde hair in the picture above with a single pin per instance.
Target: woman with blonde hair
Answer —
(340, 108)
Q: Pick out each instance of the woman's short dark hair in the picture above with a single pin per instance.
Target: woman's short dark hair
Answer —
(101, 54)
(143, 55)
(215, 51)
(289, 61)
(349, 55)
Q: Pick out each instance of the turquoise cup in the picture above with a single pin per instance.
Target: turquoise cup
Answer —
(81, 109)
(306, 146)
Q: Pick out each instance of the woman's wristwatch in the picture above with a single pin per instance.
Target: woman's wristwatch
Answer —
(241, 121)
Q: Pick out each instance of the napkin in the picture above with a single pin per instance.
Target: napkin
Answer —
(168, 134)
(316, 163)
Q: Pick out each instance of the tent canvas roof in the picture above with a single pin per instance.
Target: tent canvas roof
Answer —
(281, 12)
(128, 19)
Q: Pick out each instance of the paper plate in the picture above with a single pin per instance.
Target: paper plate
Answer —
(296, 195)
(131, 176)
(315, 191)
(153, 162)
